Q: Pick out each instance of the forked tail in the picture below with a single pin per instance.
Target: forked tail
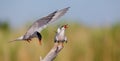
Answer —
(18, 39)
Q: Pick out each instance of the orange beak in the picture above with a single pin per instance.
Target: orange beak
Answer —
(66, 26)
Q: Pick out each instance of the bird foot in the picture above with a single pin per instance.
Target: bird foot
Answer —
(28, 40)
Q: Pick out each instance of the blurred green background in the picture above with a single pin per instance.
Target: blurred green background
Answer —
(85, 43)
(93, 33)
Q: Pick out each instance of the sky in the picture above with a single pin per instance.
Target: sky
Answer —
(89, 12)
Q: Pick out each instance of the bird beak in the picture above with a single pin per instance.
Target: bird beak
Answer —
(66, 26)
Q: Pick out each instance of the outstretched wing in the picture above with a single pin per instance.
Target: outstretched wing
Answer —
(40, 24)
(59, 13)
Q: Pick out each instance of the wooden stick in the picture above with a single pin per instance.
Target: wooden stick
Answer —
(53, 52)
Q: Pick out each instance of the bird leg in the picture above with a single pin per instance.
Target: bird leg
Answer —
(28, 40)
(60, 43)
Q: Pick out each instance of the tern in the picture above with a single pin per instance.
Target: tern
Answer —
(60, 34)
(35, 29)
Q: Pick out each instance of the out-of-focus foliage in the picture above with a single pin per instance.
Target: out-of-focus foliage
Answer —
(84, 44)
(4, 26)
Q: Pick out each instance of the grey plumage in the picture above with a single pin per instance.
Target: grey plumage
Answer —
(40, 24)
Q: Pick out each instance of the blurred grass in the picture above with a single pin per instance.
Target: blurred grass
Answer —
(84, 44)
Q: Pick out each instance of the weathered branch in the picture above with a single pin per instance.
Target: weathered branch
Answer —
(53, 52)
(60, 38)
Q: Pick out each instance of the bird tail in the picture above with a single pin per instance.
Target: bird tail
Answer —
(18, 39)
(12, 41)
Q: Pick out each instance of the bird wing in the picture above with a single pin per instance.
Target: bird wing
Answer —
(59, 13)
(58, 30)
(40, 24)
